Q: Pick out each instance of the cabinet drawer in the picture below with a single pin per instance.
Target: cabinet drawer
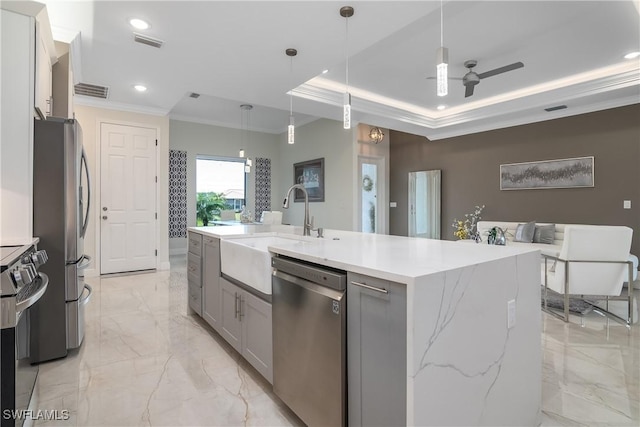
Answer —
(195, 243)
(194, 269)
(195, 297)
(213, 241)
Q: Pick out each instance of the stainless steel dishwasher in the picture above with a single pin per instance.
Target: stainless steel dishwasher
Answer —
(309, 340)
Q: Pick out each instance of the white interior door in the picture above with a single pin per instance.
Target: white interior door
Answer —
(128, 198)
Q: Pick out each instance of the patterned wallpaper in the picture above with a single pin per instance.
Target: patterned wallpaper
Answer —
(263, 186)
(177, 193)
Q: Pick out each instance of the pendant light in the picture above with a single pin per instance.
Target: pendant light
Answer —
(245, 110)
(291, 129)
(442, 60)
(346, 12)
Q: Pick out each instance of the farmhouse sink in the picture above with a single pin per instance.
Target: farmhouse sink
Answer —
(248, 260)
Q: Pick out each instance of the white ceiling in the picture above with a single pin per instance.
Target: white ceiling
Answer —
(233, 52)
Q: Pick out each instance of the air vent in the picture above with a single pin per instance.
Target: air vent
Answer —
(557, 107)
(194, 95)
(149, 41)
(95, 91)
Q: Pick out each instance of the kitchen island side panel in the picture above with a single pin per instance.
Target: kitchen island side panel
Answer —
(465, 365)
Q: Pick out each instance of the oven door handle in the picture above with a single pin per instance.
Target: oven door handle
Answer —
(42, 287)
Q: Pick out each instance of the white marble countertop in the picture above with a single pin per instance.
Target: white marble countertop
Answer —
(396, 258)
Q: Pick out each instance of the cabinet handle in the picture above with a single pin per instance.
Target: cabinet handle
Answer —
(237, 306)
(371, 288)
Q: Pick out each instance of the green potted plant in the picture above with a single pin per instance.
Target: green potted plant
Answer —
(208, 207)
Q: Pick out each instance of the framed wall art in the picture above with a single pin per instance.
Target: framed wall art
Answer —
(311, 175)
(563, 173)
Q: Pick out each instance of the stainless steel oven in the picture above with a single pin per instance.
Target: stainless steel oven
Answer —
(21, 286)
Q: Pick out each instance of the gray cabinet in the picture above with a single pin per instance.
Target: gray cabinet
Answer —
(376, 351)
(211, 281)
(230, 327)
(257, 339)
(245, 322)
(194, 272)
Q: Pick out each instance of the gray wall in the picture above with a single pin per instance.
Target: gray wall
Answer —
(470, 171)
(202, 139)
(321, 138)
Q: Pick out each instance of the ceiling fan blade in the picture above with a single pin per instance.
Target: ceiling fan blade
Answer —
(468, 91)
(501, 70)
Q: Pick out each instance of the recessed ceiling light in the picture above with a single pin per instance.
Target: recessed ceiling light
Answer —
(632, 55)
(325, 71)
(139, 24)
(441, 107)
(140, 88)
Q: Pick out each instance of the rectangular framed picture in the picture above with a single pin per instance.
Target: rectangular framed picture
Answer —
(311, 175)
(563, 173)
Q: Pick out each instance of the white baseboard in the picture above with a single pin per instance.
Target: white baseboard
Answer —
(165, 265)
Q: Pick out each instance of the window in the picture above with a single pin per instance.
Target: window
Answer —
(220, 185)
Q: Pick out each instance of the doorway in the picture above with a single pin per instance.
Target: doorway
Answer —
(128, 217)
(371, 179)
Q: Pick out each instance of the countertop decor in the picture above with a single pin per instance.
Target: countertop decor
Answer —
(467, 228)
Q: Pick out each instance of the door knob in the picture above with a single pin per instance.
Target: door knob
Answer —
(104, 217)
(104, 208)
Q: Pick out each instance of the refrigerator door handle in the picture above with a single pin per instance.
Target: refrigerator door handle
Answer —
(85, 262)
(86, 216)
(84, 300)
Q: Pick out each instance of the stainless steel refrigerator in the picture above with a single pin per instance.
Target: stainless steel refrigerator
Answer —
(61, 198)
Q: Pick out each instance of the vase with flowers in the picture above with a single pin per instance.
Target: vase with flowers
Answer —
(468, 228)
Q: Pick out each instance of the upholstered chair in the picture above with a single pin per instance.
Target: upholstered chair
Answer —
(593, 261)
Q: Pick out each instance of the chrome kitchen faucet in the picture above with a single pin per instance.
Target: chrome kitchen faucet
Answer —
(307, 225)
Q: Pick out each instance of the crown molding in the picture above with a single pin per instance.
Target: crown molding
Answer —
(539, 116)
(590, 83)
(235, 126)
(120, 106)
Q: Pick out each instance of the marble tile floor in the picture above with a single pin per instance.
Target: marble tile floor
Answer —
(146, 362)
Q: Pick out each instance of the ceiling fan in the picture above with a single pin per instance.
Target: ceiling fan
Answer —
(471, 79)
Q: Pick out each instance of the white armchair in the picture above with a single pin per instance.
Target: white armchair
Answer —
(593, 261)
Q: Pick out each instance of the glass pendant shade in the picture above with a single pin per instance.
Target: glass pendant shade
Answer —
(346, 119)
(441, 71)
(291, 131)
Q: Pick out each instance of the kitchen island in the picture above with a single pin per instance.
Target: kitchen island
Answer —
(472, 330)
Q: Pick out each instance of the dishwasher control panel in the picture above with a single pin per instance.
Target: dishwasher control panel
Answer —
(321, 275)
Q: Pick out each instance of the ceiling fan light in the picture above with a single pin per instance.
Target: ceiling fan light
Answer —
(442, 59)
